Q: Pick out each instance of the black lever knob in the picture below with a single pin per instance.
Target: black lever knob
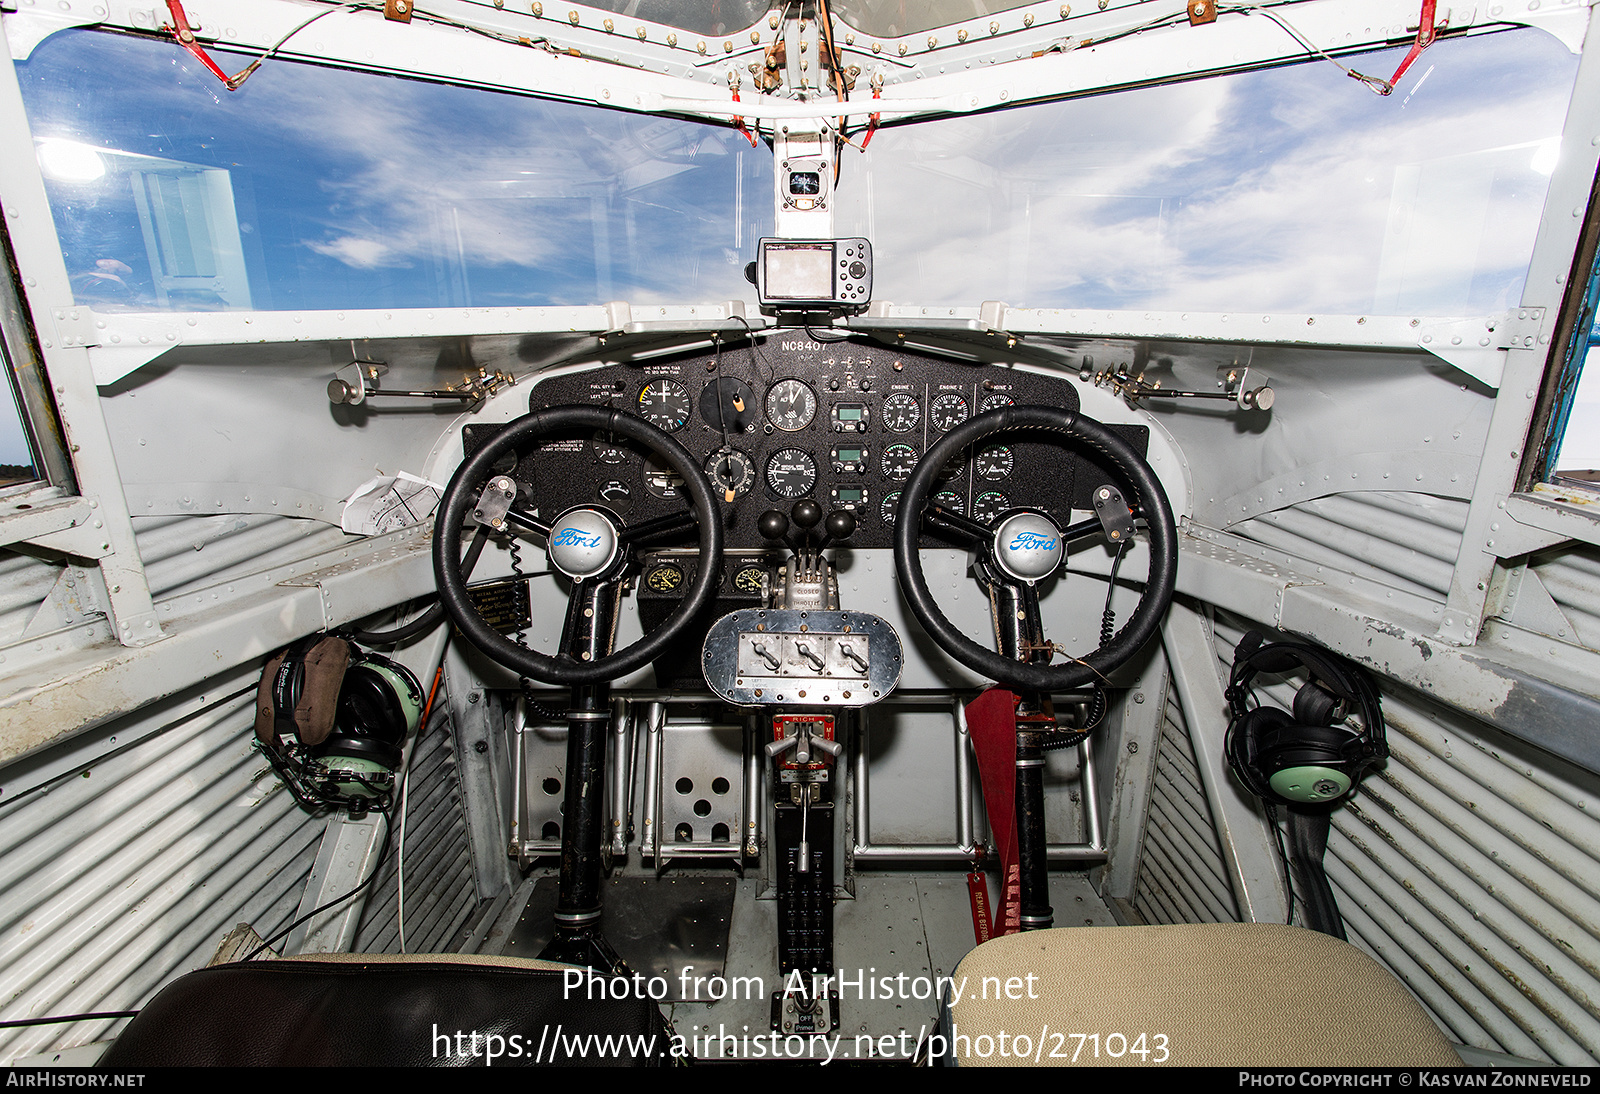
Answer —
(841, 524)
(806, 514)
(772, 524)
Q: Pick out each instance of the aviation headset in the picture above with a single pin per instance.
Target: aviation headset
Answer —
(350, 712)
(1310, 755)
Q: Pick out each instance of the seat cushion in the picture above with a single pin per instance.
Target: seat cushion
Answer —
(1206, 995)
(357, 1010)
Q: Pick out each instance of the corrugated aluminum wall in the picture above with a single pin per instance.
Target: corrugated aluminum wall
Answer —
(24, 583)
(1405, 541)
(1182, 876)
(1572, 578)
(1470, 865)
(126, 875)
(441, 894)
(183, 555)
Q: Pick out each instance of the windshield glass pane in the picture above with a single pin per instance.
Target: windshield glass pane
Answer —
(317, 188)
(1291, 189)
(893, 18)
(718, 17)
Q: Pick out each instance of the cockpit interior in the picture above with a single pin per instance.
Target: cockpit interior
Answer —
(853, 531)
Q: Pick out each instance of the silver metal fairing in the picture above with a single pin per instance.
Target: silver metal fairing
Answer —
(804, 659)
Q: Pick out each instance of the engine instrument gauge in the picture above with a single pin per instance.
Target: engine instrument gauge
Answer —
(988, 505)
(994, 463)
(901, 413)
(791, 405)
(995, 402)
(664, 404)
(749, 579)
(731, 472)
(898, 461)
(948, 411)
(886, 508)
(791, 473)
(664, 578)
(949, 499)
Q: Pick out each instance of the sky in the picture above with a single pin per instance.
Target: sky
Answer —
(1292, 189)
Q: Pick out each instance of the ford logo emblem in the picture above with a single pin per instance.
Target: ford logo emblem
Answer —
(1032, 541)
(575, 537)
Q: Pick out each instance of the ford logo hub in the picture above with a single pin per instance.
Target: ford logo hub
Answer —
(583, 543)
(1028, 547)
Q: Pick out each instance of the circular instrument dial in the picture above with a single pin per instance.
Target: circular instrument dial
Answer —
(661, 480)
(901, 413)
(791, 405)
(949, 499)
(995, 462)
(664, 578)
(731, 471)
(791, 473)
(748, 580)
(995, 402)
(886, 509)
(898, 461)
(948, 411)
(728, 403)
(988, 505)
(665, 405)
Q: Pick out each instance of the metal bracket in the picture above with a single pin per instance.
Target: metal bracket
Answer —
(1478, 347)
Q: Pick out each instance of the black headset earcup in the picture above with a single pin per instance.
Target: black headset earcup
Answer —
(1307, 765)
(1315, 705)
(1244, 746)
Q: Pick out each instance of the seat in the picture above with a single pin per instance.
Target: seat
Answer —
(1202, 995)
(372, 1010)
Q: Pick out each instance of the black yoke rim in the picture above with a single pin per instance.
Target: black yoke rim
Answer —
(1148, 495)
(461, 495)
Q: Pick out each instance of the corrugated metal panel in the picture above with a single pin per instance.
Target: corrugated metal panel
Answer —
(122, 877)
(1469, 865)
(183, 555)
(440, 890)
(1182, 876)
(1405, 541)
(24, 583)
(1572, 578)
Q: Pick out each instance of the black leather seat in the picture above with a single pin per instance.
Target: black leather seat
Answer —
(380, 1011)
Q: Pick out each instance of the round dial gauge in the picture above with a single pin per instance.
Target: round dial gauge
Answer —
(995, 462)
(661, 480)
(664, 404)
(748, 580)
(898, 461)
(995, 402)
(730, 471)
(901, 413)
(607, 450)
(791, 473)
(791, 405)
(949, 499)
(728, 402)
(664, 578)
(886, 509)
(988, 505)
(948, 411)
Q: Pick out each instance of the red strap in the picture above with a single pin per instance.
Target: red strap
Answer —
(992, 722)
(1426, 33)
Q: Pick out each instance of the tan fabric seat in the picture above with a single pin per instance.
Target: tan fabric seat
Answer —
(1208, 995)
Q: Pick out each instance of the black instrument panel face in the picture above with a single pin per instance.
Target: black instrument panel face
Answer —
(842, 423)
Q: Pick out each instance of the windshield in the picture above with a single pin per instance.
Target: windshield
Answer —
(318, 188)
(1291, 189)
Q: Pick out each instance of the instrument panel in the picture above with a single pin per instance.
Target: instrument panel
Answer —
(843, 423)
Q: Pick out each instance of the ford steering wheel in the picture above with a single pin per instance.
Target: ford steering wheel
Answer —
(1025, 546)
(587, 543)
